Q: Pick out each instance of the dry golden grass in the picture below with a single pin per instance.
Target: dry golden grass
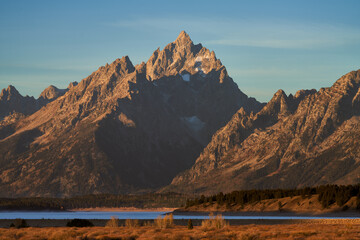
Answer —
(243, 232)
(214, 222)
(132, 223)
(113, 222)
(166, 222)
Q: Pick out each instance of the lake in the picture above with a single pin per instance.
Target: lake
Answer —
(140, 215)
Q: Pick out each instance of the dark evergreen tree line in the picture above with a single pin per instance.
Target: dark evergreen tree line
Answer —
(150, 200)
(328, 194)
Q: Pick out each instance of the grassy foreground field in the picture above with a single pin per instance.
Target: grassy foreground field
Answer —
(311, 230)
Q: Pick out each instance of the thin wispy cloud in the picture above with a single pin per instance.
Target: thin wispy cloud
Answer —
(153, 24)
(264, 72)
(45, 68)
(275, 35)
(267, 34)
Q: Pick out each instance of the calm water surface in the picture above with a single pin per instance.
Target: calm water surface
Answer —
(132, 215)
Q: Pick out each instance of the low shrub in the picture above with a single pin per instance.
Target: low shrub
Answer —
(132, 223)
(166, 222)
(79, 223)
(190, 224)
(113, 222)
(19, 223)
(148, 224)
(213, 222)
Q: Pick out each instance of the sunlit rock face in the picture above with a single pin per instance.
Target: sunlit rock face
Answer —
(123, 129)
(12, 102)
(308, 139)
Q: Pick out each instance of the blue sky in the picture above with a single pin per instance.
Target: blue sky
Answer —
(265, 45)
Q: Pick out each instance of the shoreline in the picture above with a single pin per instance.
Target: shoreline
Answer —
(122, 209)
(335, 214)
(96, 209)
(181, 211)
(45, 223)
(239, 230)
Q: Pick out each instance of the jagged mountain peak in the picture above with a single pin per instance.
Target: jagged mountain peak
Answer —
(306, 140)
(124, 60)
(11, 89)
(348, 84)
(183, 35)
(50, 88)
(11, 101)
(72, 84)
(183, 39)
(279, 96)
(279, 104)
(303, 93)
(352, 77)
(105, 78)
(122, 66)
(9, 92)
(51, 93)
(182, 55)
(124, 127)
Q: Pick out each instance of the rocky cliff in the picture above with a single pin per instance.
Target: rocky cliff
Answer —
(13, 103)
(124, 128)
(303, 140)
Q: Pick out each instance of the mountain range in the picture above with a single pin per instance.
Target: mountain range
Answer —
(123, 129)
(12, 102)
(307, 139)
(177, 122)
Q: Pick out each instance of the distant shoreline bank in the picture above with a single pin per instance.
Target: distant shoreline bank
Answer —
(123, 209)
(43, 223)
(181, 211)
(335, 214)
(96, 209)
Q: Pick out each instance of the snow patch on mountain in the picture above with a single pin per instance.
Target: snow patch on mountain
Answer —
(194, 123)
(185, 77)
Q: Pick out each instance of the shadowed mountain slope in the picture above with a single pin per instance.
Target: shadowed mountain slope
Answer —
(124, 128)
(303, 140)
